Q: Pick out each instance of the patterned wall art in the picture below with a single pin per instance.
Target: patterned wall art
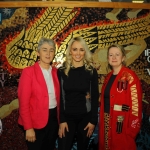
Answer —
(21, 29)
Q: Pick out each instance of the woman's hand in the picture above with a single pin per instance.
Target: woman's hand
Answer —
(90, 127)
(62, 128)
(88, 96)
(30, 135)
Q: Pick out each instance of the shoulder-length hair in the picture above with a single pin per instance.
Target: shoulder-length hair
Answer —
(121, 48)
(87, 58)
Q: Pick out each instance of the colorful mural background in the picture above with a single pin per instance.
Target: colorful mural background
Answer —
(21, 29)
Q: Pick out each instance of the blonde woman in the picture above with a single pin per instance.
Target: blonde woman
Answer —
(78, 115)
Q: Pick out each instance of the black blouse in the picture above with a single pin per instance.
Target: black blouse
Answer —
(107, 94)
(75, 87)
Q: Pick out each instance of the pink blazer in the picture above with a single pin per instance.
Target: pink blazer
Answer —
(33, 97)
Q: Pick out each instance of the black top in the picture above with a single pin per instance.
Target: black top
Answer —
(107, 94)
(75, 86)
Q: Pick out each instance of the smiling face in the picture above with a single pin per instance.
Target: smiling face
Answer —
(115, 57)
(46, 54)
(78, 53)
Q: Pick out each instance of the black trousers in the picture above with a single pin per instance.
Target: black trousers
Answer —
(46, 137)
(76, 128)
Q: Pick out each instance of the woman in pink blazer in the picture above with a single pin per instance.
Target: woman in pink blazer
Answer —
(38, 94)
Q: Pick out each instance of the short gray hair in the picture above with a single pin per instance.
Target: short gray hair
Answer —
(46, 40)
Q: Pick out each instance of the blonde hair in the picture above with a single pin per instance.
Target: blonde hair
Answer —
(87, 58)
(121, 48)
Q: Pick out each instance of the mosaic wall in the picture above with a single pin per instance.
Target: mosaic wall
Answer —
(21, 29)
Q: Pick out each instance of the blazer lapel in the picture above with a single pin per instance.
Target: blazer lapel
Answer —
(56, 83)
(40, 78)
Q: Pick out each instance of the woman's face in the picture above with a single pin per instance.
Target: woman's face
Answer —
(46, 54)
(77, 52)
(115, 57)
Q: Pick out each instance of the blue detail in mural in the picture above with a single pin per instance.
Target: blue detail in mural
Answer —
(0, 18)
(6, 13)
(143, 138)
